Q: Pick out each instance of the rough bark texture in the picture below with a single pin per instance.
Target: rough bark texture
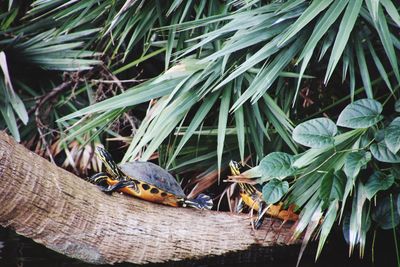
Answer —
(55, 208)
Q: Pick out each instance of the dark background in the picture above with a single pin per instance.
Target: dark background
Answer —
(16, 250)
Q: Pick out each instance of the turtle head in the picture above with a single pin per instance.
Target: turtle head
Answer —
(111, 167)
(235, 167)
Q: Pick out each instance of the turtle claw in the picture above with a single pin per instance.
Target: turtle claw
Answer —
(240, 206)
(201, 202)
(260, 216)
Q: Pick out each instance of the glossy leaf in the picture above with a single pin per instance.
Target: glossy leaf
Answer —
(362, 113)
(377, 182)
(382, 153)
(315, 133)
(355, 161)
(392, 136)
(276, 165)
(274, 190)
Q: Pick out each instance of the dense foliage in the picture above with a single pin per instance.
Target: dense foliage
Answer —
(195, 84)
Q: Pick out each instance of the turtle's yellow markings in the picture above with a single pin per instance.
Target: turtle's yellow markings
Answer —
(149, 193)
(250, 201)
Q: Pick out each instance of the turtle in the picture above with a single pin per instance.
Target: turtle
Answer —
(144, 180)
(252, 198)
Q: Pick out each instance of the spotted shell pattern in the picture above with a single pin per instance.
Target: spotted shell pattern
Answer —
(152, 174)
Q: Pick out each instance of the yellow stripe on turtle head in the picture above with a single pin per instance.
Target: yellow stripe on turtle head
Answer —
(111, 167)
(235, 167)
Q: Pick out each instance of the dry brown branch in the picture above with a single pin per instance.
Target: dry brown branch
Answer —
(55, 208)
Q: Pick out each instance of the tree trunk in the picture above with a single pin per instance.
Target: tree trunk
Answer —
(69, 215)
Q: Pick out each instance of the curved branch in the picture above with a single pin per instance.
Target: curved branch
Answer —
(54, 207)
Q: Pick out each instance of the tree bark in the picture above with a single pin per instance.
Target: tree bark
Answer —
(69, 215)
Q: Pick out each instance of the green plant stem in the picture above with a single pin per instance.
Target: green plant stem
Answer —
(139, 60)
(391, 95)
(373, 248)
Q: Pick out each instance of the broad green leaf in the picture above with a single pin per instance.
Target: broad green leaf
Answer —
(392, 136)
(315, 133)
(254, 172)
(355, 161)
(381, 153)
(276, 165)
(346, 26)
(384, 214)
(379, 136)
(376, 182)
(274, 190)
(362, 113)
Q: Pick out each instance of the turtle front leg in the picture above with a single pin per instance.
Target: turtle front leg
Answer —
(260, 216)
(120, 185)
(240, 206)
(99, 179)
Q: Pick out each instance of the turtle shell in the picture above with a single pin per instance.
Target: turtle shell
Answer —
(152, 174)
